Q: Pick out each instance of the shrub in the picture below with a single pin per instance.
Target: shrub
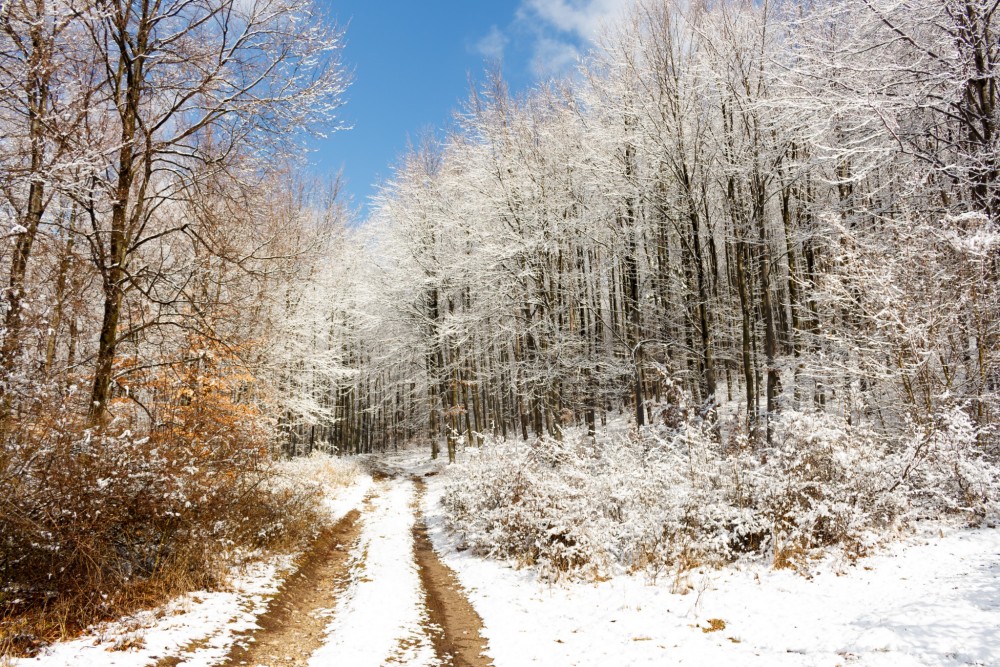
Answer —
(98, 521)
(672, 497)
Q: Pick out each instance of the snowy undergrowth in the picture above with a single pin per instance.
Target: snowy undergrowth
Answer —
(200, 628)
(339, 483)
(669, 500)
(924, 600)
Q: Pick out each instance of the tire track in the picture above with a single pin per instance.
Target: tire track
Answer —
(391, 598)
(454, 626)
(292, 628)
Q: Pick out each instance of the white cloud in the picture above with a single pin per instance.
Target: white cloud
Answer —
(582, 18)
(492, 45)
(562, 28)
(553, 57)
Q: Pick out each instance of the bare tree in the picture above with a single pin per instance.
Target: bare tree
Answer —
(186, 85)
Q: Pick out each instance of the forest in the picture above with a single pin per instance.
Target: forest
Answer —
(730, 288)
(784, 207)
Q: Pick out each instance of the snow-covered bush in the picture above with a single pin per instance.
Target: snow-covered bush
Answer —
(97, 521)
(952, 465)
(668, 499)
(823, 483)
(585, 507)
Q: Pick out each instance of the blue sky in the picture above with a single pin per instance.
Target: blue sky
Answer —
(412, 60)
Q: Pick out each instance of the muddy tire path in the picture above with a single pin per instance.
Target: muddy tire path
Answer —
(297, 619)
(455, 627)
(293, 626)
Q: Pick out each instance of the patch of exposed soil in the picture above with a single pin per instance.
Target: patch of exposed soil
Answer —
(292, 628)
(455, 628)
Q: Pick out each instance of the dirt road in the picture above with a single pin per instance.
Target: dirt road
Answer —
(370, 591)
(456, 627)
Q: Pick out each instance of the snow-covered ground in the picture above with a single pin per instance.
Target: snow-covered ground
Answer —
(930, 601)
(380, 617)
(201, 627)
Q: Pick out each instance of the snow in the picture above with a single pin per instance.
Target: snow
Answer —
(339, 504)
(200, 627)
(930, 599)
(380, 617)
(934, 601)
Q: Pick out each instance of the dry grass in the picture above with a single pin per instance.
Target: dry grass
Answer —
(714, 625)
(328, 473)
(790, 556)
(97, 527)
(67, 613)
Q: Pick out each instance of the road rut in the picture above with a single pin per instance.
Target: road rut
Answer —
(319, 612)
(456, 628)
(293, 626)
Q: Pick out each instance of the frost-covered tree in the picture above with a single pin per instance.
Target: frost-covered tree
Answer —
(709, 200)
